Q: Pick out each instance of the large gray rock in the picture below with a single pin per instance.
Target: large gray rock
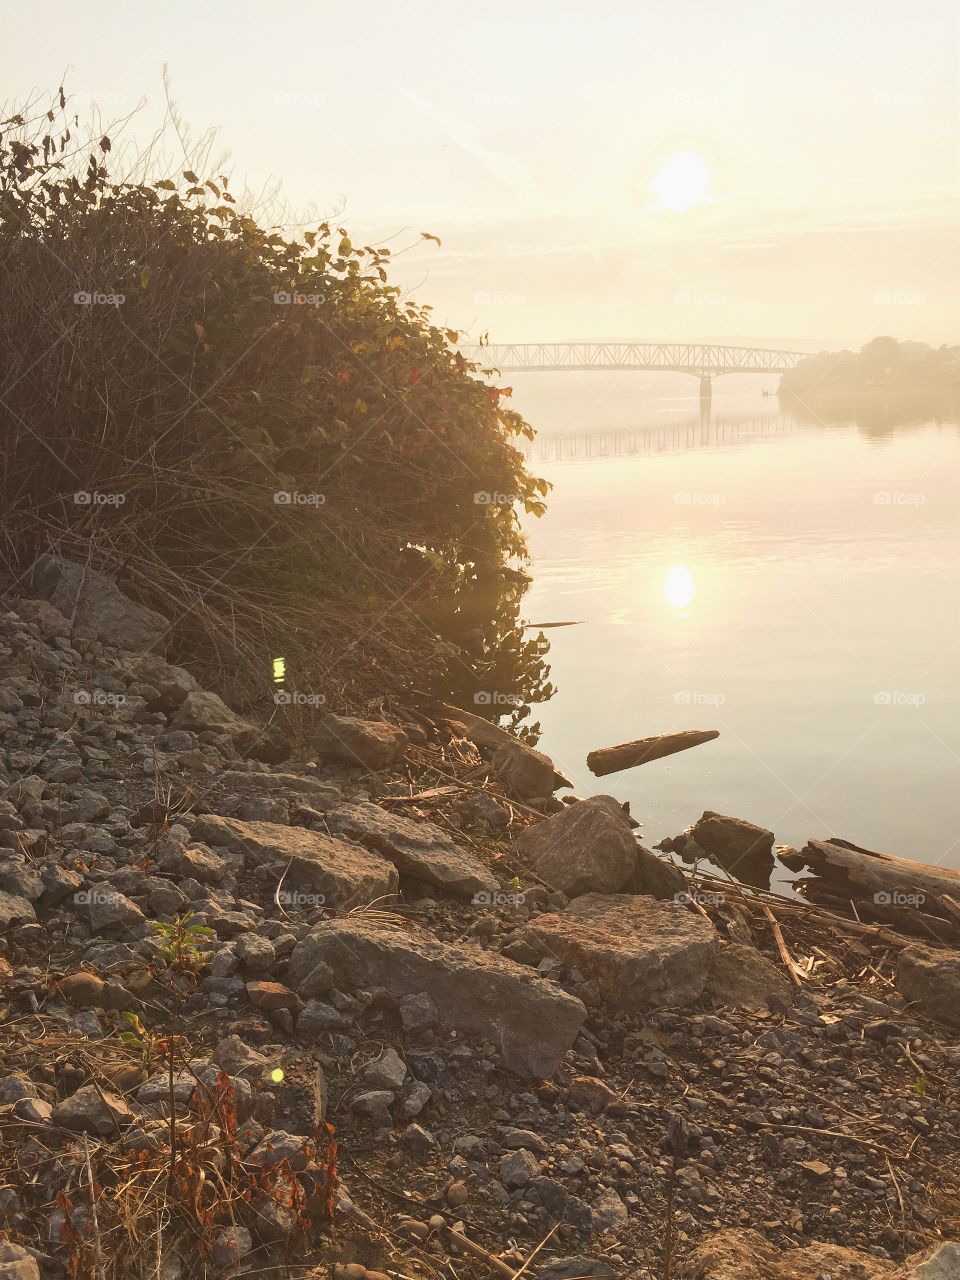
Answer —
(344, 874)
(590, 848)
(417, 849)
(931, 979)
(641, 952)
(367, 744)
(97, 605)
(532, 1021)
(202, 709)
(732, 840)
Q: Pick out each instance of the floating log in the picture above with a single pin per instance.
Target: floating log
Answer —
(630, 754)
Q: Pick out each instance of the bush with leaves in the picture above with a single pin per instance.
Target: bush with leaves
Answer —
(251, 429)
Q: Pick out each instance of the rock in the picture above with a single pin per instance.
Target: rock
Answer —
(82, 989)
(609, 1213)
(577, 1269)
(747, 1255)
(196, 862)
(741, 976)
(270, 996)
(524, 773)
(388, 1072)
(523, 1140)
(14, 910)
(418, 1012)
(17, 1263)
(931, 979)
(532, 1022)
(238, 1059)
(46, 616)
(97, 605)
(341, 874)
(641, 952)
(203, 710)
(319, 1017)
(255, 952)
(732, 840)
(109, 909)
(655, 877)
(587, 1093)
(279, 1145)
(322, 795)
(367, 744)
(94, 1111)
(171, 683)
(560, 1203)
(418, 1141)
(417, 849)
(229, 1246)
(588, 848)
(517, 1168)
(941, 1262)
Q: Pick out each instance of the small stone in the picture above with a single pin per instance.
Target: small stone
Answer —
(388, 1072)
(82, 989)
(517, 1168)
(94, 1111)
(457, 1194)
(418, 1141)
(230, 1246)
(269, 996)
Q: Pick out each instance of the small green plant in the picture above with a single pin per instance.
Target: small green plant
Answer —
(181, 944)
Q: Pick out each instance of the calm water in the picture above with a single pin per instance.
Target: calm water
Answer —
(795, 586)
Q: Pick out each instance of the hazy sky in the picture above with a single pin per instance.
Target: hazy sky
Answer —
(775, 169)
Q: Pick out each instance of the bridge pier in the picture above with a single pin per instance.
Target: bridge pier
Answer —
(706, 386)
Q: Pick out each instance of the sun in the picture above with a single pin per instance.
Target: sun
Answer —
(682, 181)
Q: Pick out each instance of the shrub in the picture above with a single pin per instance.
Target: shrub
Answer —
(253, 431)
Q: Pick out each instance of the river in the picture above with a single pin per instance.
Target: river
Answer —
(793, 584)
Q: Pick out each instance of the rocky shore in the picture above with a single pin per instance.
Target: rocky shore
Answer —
(378, 1003)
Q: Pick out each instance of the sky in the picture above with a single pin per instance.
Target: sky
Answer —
(758, 171)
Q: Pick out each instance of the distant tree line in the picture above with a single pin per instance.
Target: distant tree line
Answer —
(883, 364)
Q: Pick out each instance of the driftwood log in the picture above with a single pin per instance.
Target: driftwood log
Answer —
(630, 754)
(914, 896)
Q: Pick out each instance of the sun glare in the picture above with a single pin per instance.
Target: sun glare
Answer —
(682, 181)
(679, 587)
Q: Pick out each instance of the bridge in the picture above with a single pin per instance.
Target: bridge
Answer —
(704, 360)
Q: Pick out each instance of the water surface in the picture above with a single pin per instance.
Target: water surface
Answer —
(795, 585)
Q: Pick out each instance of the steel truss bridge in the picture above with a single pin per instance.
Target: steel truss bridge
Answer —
(703, 360)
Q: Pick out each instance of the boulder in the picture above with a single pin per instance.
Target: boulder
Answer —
(931, 979)
(641, 952)
(532, 1021)
(343, 874)
(731, 840)
(590, 848)
(417, 849)
(202, 709)
(97, 606)
(367, 744)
